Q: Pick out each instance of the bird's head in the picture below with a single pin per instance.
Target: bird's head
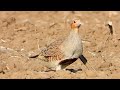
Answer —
(75, 24)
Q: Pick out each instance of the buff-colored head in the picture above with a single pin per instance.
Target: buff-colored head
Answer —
(75, 24)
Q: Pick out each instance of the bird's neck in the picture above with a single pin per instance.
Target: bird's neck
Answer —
(75, 30)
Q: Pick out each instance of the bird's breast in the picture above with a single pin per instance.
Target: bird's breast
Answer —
(72, 47)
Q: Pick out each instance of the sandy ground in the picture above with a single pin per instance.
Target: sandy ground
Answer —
(27, 31)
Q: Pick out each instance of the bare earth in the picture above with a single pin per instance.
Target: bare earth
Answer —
(23, 32)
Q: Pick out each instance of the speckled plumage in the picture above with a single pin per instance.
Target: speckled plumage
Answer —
(63, 52)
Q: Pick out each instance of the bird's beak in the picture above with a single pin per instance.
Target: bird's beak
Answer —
(79, 26)
(81, 23)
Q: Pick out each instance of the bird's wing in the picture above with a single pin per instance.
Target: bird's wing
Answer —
(53, 51)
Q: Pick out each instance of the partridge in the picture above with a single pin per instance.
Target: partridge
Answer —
(63, 52)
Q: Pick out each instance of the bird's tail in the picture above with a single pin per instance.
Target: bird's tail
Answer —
(84, 60)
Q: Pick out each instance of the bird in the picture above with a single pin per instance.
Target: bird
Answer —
(63, 52)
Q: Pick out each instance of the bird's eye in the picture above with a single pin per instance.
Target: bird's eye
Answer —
(74, 22)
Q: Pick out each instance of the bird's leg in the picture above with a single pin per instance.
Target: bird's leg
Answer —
(84, 60)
